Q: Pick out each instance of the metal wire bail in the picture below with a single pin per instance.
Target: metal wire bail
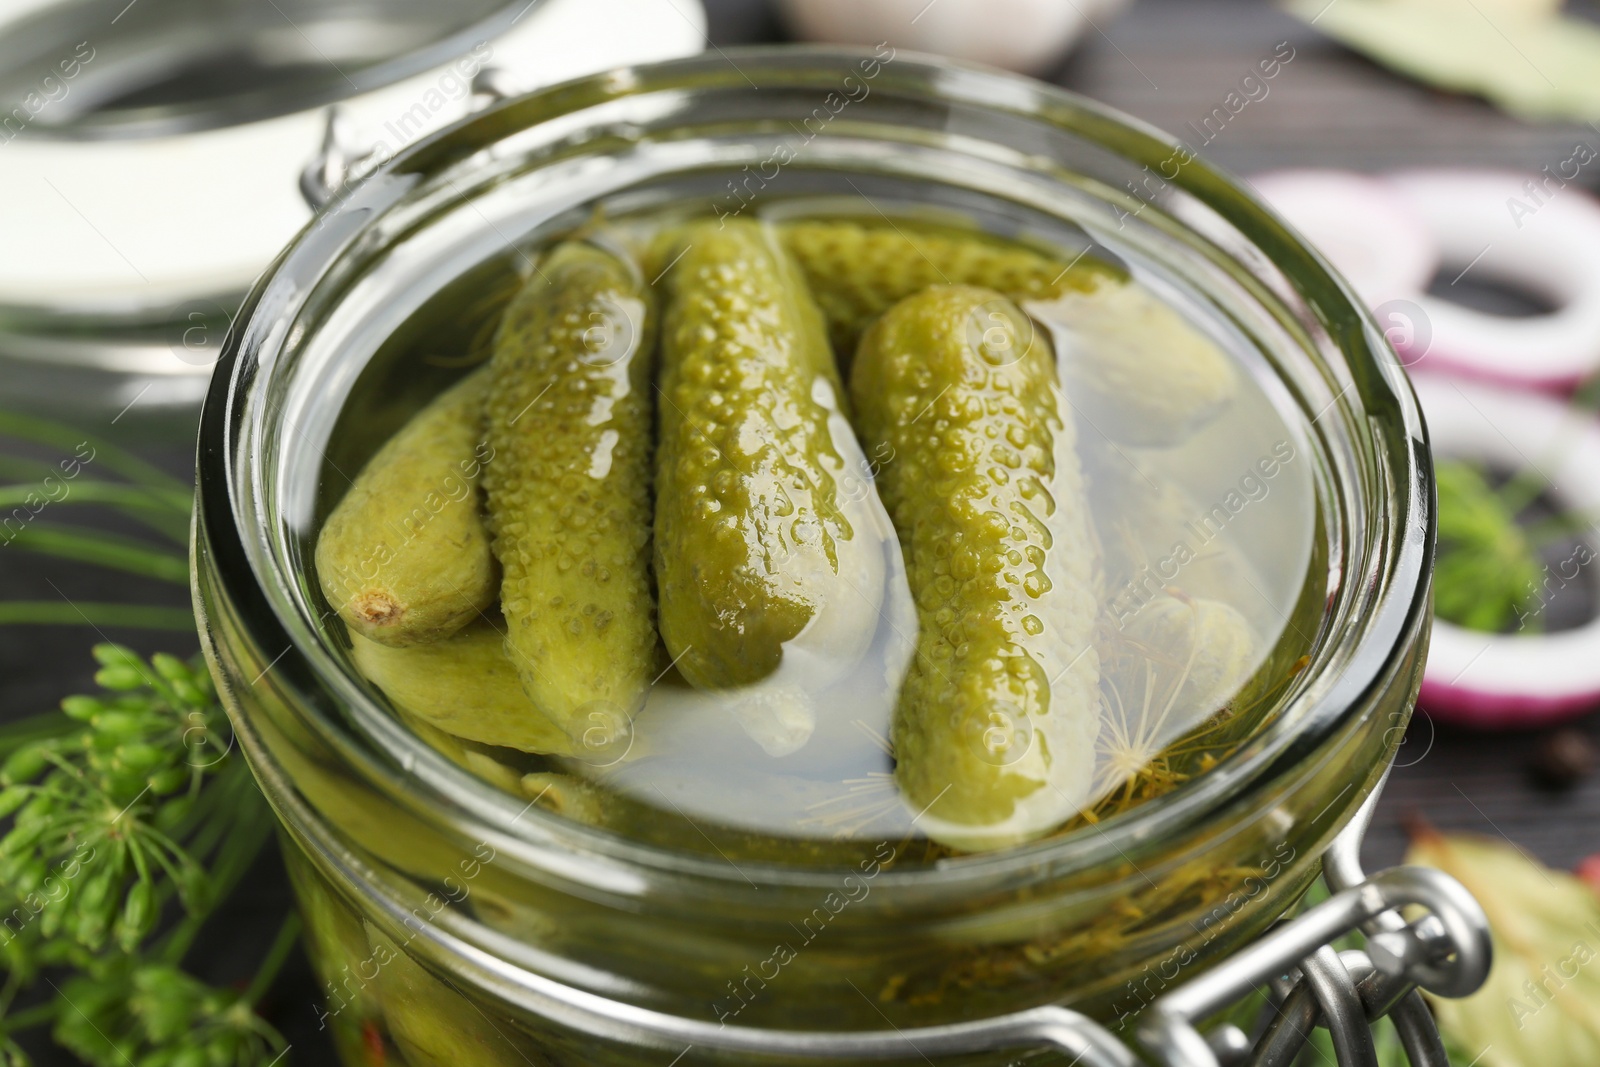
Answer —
(1447, 952)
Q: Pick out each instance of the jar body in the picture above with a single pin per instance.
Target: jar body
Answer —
(444, 928)
(844, 962)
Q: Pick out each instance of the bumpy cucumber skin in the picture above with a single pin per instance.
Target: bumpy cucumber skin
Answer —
(404, 558)
(748, 524)
(569, 420)
(466, 686)
(996, 724)
(1140, 373)
(858, 270)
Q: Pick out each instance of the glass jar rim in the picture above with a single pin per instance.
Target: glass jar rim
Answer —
(1369, 623)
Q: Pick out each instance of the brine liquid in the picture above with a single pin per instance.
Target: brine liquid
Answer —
(1228, 515)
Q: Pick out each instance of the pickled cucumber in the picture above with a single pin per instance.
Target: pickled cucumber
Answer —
(1140, 373)
(994, 737)
(569, 421)
(485, 761)
(858, 270)
(714, 636)
(755, 544)
(1208, 647)
(433, 1024)
(404, 558)
(570, 797)
(337, 944)
(466, 686)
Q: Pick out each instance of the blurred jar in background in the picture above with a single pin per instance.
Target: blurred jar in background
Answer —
(1028, 36)
(151, 156)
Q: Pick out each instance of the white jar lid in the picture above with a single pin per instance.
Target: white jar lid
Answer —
(132, 227)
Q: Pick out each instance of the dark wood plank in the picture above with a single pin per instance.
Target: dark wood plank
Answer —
(1170, 62)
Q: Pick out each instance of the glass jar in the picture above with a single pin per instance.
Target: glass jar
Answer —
(453, 921)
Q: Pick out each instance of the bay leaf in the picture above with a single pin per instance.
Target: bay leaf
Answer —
(1541, 1004)
(1521, 55)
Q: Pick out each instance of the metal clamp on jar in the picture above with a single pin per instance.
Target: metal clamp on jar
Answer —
(152, 154)
(453, 918)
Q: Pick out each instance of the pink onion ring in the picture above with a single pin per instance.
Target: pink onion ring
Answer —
(1370, 232)
(1537, 232)
(1507, 227)
(1522, 679)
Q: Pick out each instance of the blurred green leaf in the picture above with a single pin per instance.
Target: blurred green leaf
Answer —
(1522, 56)
(104, 550)
(1541, 1004)
(1487, 575)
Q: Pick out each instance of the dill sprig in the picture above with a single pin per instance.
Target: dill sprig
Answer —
(125, 819)
(126, 808)
(36, 494)
(1490, 571)
(1487, 573)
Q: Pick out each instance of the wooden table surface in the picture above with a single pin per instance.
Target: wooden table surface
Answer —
(1168, 62)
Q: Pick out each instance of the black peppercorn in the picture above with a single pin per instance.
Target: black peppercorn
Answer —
(1563, 759)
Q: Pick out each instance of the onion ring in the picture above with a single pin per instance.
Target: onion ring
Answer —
(1390, 235)
(1370, 232)
(1489, 222)
(1513, 680)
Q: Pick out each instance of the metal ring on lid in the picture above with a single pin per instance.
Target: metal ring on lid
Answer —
(151, 153)
(1341, 1007)
(1419, 1034)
